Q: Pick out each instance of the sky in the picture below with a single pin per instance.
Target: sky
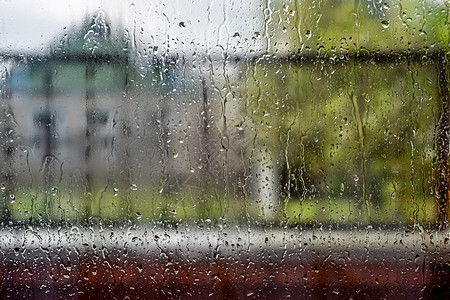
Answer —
(29, 27)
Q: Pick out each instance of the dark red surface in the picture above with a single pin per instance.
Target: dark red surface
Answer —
(119, 277)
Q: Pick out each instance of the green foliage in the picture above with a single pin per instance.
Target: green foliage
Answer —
(355, 131)
(93, 38)
(339, 27)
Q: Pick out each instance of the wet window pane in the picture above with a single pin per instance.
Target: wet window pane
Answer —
(194, 149)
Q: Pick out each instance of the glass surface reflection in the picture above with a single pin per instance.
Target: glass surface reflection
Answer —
(196, 149)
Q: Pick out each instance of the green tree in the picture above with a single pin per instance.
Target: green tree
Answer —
(352, 107)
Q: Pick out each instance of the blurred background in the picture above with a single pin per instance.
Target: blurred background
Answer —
(290, 113)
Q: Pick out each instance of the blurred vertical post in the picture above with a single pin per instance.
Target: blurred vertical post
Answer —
(47, 121)
(6, 144)
(205, 136)
(125, 166)
(443, 141)
(90, 132)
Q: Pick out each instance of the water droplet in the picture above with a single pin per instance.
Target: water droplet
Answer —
(116, 192)
(133, 187)
(308, 34)
(385, 24)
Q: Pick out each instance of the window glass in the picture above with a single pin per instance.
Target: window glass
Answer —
(193, 149)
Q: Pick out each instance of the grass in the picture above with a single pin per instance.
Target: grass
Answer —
(193, 205)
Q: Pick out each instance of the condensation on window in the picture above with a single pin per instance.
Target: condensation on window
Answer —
(195, 149)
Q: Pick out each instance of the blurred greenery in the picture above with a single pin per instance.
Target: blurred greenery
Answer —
(341, 27)
(359, 137)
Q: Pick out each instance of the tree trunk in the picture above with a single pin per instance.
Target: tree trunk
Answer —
(443, 145)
